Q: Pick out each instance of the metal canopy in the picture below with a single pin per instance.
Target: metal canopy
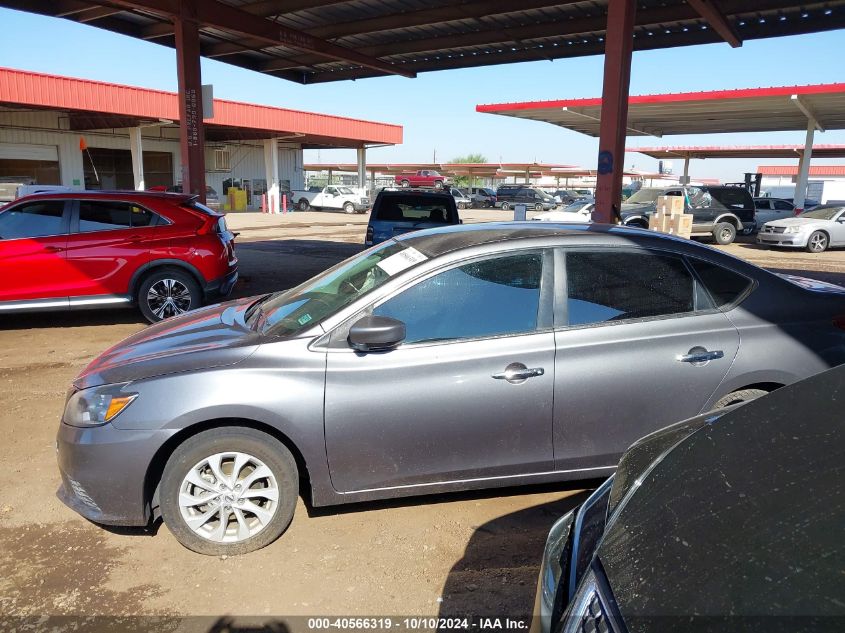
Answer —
(740, 151)
(782, 108)
(310, 41)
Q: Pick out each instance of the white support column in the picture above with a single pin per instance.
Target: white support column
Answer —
(685, 180)
(362, 169)
(804, 168)
(271, 174)
(136, 148)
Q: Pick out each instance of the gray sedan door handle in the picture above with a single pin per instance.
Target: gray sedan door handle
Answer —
(516, 373)
(700, 356)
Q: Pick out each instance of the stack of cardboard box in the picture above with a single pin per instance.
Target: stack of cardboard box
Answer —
(670, 217)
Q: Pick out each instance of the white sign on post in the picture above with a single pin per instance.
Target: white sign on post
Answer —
(519, 212)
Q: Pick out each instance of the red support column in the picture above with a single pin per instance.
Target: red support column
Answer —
(619, 44)
(191, 129)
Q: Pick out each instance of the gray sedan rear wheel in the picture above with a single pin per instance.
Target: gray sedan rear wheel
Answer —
(817, 242)
(741, 395)
(229, 491)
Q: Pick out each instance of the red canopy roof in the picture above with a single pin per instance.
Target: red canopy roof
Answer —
(97, 104)
(791, 170)
(744, 110)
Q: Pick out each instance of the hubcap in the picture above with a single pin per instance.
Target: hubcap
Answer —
(228, 497)
(726, 234)
(168, 297)
(818, 242)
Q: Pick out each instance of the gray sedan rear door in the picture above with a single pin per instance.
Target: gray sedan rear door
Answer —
(639, 347)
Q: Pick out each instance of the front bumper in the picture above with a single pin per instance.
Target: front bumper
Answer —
(782, 239)
(104, 472)
(222, 286)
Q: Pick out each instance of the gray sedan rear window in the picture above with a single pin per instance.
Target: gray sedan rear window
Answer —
(614, 286)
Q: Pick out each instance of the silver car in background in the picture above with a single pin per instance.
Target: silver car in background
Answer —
(466, 357)
(814, 230)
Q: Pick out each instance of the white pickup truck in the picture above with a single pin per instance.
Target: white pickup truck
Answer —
(331, 197)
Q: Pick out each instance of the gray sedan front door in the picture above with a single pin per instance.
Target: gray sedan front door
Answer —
(468, 395)
(640, 347)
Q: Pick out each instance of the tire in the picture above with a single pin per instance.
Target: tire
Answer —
(438, 184)
(538, 207)
(505, 206)
(724, 233)
(349, 208)
(405, 184)
(817, 242)
(167, 292)
(303, 205)
(192, 462)
(742, 395)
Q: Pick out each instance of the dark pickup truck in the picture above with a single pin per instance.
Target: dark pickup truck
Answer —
(719, 212)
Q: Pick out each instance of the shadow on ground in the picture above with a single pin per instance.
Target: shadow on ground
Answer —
(497, 575)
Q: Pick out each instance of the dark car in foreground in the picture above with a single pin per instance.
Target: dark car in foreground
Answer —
(729, 521)
(404, 210)
(163, 252)
(459, 358)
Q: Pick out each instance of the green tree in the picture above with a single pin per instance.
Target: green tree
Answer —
(464, 181)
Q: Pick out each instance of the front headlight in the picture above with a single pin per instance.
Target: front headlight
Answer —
(792, 229)
(555, 554)
(98, 405)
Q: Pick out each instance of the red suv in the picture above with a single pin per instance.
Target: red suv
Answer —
(164, 252)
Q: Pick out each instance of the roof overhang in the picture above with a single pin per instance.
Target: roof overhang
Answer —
(739, 151)
(310, 41)
(746, 110)
(99, 105)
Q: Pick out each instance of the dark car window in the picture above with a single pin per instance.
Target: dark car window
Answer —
(414, 209)
(36, 219)
(493, 297)
(102, 215)
(735, 198)
(780, 205)
(725, 286)
(613, 286)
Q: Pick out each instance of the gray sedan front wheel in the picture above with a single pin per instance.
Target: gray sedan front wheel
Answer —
(229, 491)
(817, 242)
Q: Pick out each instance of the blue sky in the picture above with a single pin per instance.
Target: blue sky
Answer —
(437, 110)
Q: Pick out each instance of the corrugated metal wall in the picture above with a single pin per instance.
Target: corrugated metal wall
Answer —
(50, 129)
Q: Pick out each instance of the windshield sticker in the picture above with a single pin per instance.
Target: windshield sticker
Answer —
(401, 261)
(304, 319)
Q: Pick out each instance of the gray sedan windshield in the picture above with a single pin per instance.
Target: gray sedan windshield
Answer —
(822, 213)
(289, 312)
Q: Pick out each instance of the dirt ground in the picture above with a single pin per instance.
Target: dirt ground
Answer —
(474, 553)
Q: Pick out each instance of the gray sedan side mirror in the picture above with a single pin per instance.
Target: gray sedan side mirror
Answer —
(376, 334)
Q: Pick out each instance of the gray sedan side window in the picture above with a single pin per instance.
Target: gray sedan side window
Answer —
(612, 285)
(492, 297)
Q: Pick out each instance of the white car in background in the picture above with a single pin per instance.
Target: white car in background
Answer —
(579, 212)
(814, 230)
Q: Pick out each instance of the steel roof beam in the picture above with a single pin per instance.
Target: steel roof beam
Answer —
(228, 18)
(457, 11)
(710, 12)
(597, 119)
(808, 111)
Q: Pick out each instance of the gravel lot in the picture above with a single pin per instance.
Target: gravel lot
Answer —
(470, 553)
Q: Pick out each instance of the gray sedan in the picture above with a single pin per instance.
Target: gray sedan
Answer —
(450, 359)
